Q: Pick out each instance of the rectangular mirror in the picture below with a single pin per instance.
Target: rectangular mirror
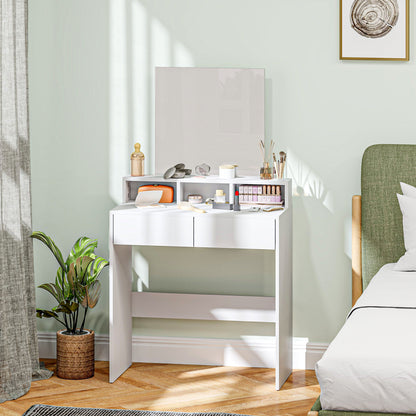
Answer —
(209, 115)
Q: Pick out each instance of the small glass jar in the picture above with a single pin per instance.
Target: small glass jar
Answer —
(195, 199)
(266, 171)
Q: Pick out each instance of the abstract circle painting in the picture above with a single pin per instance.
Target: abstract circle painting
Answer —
(374, 18)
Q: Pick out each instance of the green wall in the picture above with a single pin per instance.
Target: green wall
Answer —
(91, 87)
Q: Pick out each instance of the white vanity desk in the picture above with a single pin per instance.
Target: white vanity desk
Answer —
(170, 226)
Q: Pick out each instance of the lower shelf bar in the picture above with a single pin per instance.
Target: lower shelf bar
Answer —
(203, 307)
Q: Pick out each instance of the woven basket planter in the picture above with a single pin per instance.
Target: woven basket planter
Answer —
(75, 355)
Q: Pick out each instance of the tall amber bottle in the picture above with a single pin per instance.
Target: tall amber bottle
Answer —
(137, 161)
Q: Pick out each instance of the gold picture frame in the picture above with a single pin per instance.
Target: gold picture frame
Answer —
(366, 41)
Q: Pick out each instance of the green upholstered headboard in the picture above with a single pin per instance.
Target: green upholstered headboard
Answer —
(383, 167)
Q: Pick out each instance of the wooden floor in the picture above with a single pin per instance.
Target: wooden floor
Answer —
(173, 387)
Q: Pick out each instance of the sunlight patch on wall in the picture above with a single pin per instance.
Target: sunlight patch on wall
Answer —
(306, 182)
(140, 78)
(348, 237)
(118, 111)
(161, 46)
(182, 56)
(139, 42)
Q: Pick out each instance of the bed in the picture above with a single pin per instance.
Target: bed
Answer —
(370, 367)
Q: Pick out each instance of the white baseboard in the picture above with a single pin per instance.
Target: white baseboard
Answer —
(246, 352)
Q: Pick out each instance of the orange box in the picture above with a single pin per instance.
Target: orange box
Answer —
(167, 196)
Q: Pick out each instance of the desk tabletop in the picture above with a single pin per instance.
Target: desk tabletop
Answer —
(173, 209)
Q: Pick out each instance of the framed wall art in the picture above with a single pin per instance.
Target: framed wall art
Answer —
(374, 29)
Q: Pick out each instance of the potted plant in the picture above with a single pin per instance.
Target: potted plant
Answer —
(76, 290)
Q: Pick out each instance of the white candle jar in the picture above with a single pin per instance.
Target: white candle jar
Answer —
(228, 171)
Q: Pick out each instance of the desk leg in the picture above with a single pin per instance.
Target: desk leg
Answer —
(120, 310)
(283, 266)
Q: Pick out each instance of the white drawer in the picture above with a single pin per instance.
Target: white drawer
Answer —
(234, 232)
(154, 230)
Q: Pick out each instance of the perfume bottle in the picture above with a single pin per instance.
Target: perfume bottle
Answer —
(137, 161)
(219, 196)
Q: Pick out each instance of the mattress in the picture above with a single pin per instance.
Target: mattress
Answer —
(370, 366)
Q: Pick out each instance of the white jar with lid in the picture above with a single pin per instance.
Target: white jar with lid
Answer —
(228, 171)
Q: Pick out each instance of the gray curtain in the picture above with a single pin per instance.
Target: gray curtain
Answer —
(19, 360)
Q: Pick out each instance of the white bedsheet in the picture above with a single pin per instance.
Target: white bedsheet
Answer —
(370, 366)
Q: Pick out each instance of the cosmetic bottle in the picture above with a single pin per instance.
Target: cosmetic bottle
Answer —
(236, 206)
(278, 194)
(269, 194)
(137, 161)
(250, 194)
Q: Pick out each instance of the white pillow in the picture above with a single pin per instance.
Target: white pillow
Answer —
(407, 262)
(408, 190)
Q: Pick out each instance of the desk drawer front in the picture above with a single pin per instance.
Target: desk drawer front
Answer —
(235, 232)
(148, 230)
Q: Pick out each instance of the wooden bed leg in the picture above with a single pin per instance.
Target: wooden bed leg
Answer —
(357, 284)
(313, 413)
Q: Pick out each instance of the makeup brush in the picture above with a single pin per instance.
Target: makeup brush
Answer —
(276, 172)
(189, 207)
(282, 163)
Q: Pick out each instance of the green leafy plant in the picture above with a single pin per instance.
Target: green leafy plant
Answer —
(76, 284)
